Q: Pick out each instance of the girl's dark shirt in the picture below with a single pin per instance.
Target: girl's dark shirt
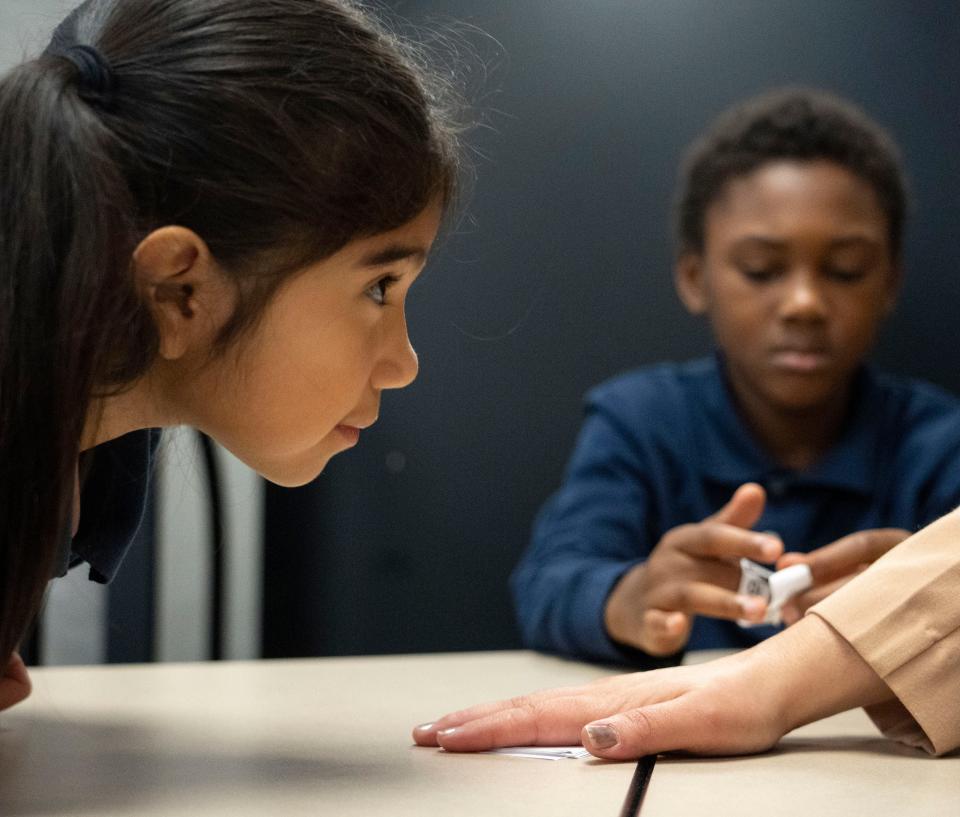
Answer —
(113, 502)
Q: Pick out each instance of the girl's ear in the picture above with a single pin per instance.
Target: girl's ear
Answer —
(187, 292)
(689, 280)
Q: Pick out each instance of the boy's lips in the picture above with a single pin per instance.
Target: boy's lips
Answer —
(801, 360)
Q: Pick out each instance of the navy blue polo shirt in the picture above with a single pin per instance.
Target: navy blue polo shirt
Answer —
(663, 446)
(113, 500)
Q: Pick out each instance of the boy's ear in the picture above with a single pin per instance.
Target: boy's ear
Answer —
(894, 283)
(689, 280)
(188, 294)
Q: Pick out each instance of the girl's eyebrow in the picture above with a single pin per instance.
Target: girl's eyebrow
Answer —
(393, 253)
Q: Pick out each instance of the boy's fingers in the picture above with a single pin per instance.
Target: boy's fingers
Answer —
(664, 631)
(790, 613)
(790, 559)
(843, 557)
(700, 598)
(804, 601)
(722, 541)
(744, 508)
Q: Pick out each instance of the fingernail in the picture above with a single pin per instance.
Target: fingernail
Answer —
(750, 607)
(603, 736)
(675, 622)
(769, 547)
(425, 727)
(445, 733)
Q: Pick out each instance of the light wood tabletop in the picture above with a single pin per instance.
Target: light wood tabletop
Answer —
(331, 736)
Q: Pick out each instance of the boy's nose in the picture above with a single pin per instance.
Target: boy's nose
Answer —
(802, 298)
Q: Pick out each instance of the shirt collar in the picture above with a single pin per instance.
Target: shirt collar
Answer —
(731, 454)
(113, 502)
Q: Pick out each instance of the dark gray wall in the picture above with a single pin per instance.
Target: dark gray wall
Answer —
(562, 279)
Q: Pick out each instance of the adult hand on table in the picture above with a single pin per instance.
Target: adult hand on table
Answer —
(14, 683)
(693, 570)
(835, 564)
(736, 705)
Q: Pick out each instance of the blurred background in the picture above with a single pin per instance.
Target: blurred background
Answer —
(557, 277)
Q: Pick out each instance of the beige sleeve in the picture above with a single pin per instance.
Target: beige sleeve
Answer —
(902, 616)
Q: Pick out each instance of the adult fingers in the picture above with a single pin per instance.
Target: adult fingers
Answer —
(685, 723)
(701, 598)
(744, 508)
(556, 717)
(648, 730)
(544, 722)
(426, 733)
(844, 556)
(722, 541)
(15, 684)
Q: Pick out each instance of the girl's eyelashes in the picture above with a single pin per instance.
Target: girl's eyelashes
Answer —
(377, 292)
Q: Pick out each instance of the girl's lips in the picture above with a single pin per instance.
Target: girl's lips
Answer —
(350, 433)
(795, 360)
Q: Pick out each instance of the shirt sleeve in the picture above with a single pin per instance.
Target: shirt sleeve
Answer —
(591, 532)
(902, 616)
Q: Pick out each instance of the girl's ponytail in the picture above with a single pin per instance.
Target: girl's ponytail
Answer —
(70, 318)
(276, 130)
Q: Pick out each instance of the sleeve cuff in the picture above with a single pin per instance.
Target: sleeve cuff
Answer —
(902, 617)
(588, 624)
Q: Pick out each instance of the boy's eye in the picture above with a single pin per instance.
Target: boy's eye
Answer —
(760, 274)
(844, 274)
(378, 291)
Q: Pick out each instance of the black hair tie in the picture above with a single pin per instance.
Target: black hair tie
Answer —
(95, 76)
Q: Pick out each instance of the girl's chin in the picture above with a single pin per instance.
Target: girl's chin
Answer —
(294, 474)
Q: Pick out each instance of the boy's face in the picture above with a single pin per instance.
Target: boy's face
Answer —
(796, 276)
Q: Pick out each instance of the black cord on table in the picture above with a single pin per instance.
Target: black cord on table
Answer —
(638, 786)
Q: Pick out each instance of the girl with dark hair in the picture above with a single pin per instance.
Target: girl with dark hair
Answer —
(211, 213)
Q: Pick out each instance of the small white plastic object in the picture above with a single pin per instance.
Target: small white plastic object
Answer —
(776, 587)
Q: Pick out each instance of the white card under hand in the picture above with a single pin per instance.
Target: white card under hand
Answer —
(543, 752)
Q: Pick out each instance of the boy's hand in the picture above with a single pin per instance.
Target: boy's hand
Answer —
(693, 570)
(835, 564)
(14, 683)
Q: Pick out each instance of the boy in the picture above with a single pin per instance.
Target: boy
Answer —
(790, 221)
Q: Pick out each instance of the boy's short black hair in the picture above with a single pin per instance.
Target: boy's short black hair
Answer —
(790, 123)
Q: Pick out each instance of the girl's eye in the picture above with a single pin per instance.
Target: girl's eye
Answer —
(378, 292)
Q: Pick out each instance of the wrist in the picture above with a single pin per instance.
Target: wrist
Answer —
(810, 672)
(623, 611)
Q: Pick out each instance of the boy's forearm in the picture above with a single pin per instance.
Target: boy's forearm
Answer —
(560, 607)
